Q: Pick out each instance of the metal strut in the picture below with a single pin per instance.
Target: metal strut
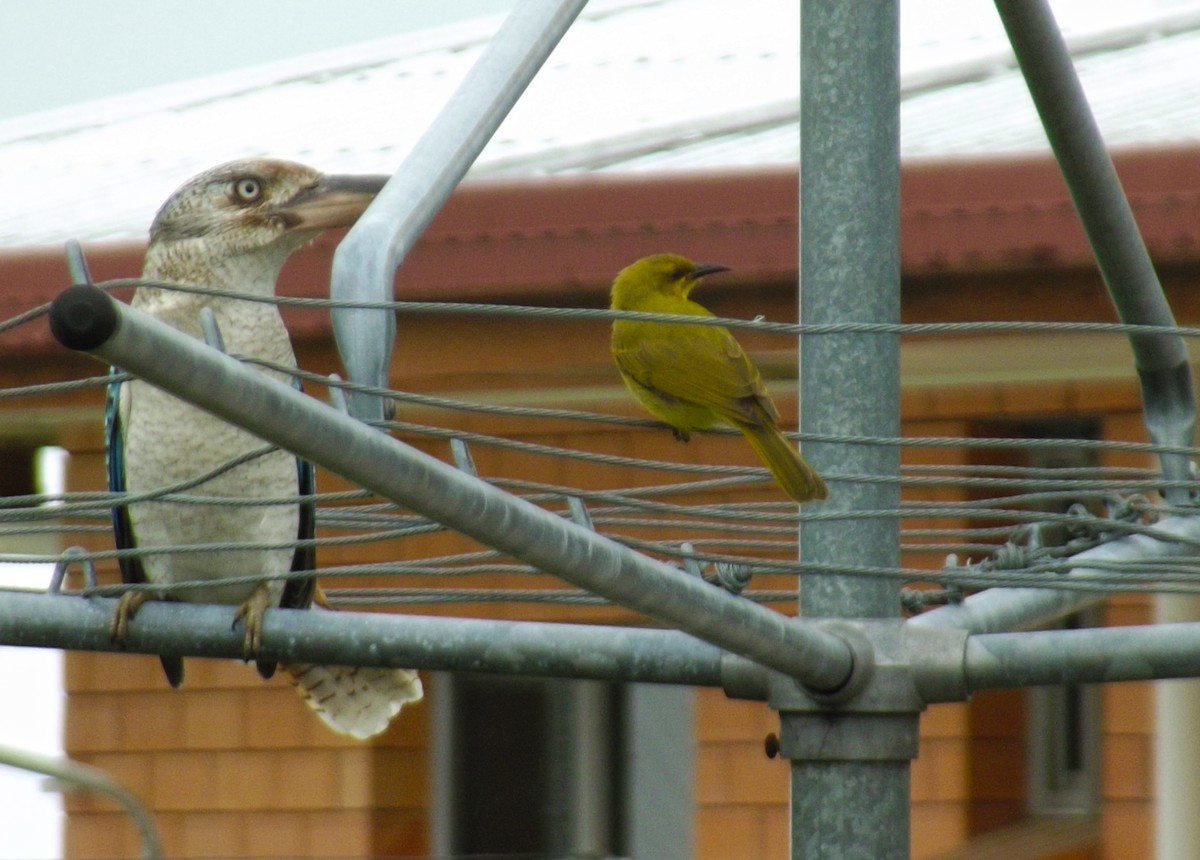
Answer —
(365, 262)
(1162, 362)
(1161, 359)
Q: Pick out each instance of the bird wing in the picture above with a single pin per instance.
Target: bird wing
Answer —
(701, 365)
(298, 592)
(132, 571)
(131, 568)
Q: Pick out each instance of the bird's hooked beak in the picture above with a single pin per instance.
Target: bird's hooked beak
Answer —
(334, 201)
(703, 269)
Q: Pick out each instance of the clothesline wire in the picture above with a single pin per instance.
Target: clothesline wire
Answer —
(747, 534)
(485, 309)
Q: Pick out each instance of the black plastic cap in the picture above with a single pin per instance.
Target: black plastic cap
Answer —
(83, 317)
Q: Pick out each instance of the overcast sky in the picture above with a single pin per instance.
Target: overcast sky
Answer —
(55, 53)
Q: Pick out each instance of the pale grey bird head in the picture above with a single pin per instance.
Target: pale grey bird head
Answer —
(256, 208)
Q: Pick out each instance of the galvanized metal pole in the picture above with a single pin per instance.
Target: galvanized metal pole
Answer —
(1168, 398)
(1177, 741)
(1082, 656)
(850, 799)
(86, 318)
(36, 620)
(1162, 360)
(1001, 609)
(366, 260)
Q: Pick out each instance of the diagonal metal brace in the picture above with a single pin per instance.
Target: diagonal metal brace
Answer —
(1162, 359)
(366, 260)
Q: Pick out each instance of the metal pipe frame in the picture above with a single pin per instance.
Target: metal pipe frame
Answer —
(85, 318)
(850, 767)
(957, 667)
(1162, 359)
(1088, 656)
(1004, 609)
(365, 262)
(38, 620)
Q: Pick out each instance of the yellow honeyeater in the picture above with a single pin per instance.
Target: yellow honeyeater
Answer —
(696, 376)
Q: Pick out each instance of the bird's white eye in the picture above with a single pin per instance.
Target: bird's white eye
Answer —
(247, 189)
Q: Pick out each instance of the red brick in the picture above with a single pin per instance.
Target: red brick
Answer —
(398, 833)
(212, 834)
(276, 834)
(101, 836)
(246, 780)
(731, 833)
(936, 828)
(959, 401)
(1134, 610)
(1129, 707)
(341, 833)
(92, 723)
(1127, 830)
(997, 770)
(277, 718)
(152, 721)
(740, 773)
(214, 719)
(776, 831)
(400, 778)
(184, 781)
(1105, 395)
(100, 672)
(947, 720)
(1024, 398)
(940, 772)
(719, 718)
(1128, 767)
(355, 777)
(307, 779)
(201, 673)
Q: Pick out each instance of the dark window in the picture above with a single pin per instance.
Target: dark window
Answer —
(537, 768)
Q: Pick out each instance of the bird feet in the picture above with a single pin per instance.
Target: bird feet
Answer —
(320, 599)
(681, 435)
(118, 631)
(127, 607)
(252, 611)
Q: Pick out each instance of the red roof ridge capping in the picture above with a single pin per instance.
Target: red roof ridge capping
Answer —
(559, 240)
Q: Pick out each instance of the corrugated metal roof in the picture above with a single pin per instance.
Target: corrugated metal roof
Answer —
(635, 85)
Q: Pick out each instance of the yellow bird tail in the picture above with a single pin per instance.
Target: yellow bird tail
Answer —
(798, 479)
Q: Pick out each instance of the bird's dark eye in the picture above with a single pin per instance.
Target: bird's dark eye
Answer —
(247, 189)
(680, 272)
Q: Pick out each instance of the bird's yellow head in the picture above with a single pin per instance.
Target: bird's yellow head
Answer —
(663, 275)
(261, 206)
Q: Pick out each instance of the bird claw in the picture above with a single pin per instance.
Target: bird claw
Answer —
(321, 599)
(253, 611)
(127, 607)
(681, 435)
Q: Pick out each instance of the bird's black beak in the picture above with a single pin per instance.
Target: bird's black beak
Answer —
(703, 269)
(335, 201)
